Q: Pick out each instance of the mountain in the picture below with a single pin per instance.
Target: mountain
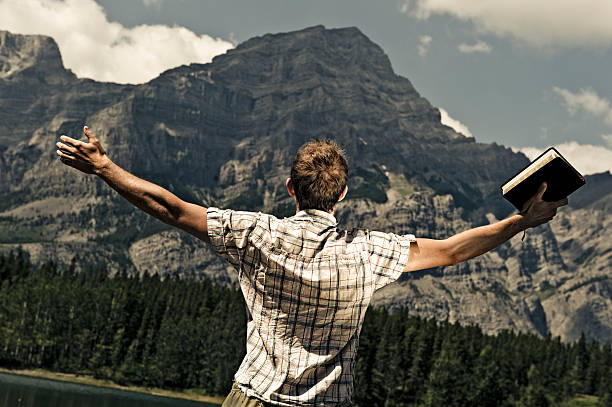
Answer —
(224, 134)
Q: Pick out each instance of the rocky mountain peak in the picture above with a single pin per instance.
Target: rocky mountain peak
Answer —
(345, 47)
(223, 134)
(596, 193)
(34, 55)
(305, 59)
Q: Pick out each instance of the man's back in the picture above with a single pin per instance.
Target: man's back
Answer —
(307, 286)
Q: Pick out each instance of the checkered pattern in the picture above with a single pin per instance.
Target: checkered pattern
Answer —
(307, 286)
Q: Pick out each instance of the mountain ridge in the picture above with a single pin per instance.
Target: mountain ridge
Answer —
(34, 55)
(224, 134)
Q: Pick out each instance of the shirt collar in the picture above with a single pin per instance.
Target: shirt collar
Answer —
(316, 215)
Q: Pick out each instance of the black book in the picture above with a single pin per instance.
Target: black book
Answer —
(561, 179)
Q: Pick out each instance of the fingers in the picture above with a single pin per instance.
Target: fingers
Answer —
(66, 161)
(90, 136)
(527, 206)
(541, 191)
(93, 140)
(66, 147)
(65, 158)
(82, 146)
(70, 141)
(553, 207)
(535, 198)
(537, 211)
(77, 143)
(64, 154)
(561, 202)
(557, 204)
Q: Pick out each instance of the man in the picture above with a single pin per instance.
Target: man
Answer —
(307, 284)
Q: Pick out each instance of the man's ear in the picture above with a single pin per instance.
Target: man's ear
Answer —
(290, 189)
(343, 193)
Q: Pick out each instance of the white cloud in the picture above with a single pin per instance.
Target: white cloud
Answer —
(607, 138)
(95, 48)
(424, 44)
(586, 158)
(542, 23)
(480, 46)
(586, 100)
(152, 3)
(453, 123)
(404, 8)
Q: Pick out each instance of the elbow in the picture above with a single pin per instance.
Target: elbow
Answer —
(163, 213)
(173, 218)
(171, 212)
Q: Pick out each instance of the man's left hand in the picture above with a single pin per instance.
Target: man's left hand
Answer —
(537, 211)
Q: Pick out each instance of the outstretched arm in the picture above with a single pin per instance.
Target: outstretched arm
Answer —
(428, 253)
(91, 158)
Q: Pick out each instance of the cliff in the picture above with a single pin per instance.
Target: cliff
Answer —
(224, 134)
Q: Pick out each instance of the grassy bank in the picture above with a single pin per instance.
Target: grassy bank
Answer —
(582, 400)
(191, 394)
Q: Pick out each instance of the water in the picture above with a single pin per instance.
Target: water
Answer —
(21, 391)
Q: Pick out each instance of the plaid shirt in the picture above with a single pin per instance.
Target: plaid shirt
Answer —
(307, 286)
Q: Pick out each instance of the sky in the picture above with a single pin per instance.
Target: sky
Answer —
(527, 74)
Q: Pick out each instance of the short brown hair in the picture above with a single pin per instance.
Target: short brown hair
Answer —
(319, 175)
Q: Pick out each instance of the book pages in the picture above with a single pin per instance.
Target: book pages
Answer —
(531, 168)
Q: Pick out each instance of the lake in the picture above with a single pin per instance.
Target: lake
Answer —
(22, 391)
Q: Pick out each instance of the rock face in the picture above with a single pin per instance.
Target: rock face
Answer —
(32, 55)
(224, 134)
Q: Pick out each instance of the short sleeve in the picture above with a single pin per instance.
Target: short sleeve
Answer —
(229, 232)
(388, 256)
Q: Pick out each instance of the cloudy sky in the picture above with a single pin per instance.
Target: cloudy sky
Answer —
(527, 74)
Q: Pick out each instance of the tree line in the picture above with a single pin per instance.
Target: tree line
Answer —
(180, 333)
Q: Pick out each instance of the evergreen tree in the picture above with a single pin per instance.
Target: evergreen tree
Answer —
(179, 333)
(605, 400)
(580, 361)
(420, 366)
(488, 387)
(534, 395)
(449, 379)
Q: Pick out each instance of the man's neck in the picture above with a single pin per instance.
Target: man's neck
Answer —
(297, 210)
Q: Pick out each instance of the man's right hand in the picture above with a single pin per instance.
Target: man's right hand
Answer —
(537, 211)
(156, 201)
(89, 157)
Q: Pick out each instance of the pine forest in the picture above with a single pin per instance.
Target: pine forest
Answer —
(186, 334)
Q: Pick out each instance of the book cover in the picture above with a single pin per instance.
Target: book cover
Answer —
(551, 167)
